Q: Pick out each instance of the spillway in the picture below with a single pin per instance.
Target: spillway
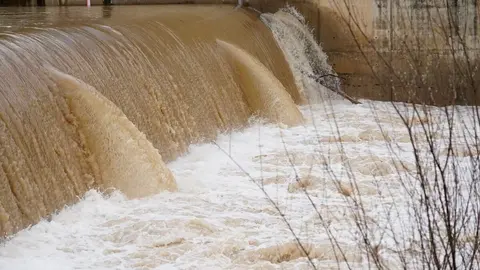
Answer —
(207, 137)
(131, 89)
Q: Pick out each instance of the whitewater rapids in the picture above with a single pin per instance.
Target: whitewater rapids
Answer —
(220, 219)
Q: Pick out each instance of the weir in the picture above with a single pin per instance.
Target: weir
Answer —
(104, 97)
(88, 102)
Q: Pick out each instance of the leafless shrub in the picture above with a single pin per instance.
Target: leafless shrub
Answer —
(438, 68)
(434, 64)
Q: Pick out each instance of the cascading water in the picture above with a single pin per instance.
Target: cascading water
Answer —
(96, 103)
(313, 75)
(141, 76)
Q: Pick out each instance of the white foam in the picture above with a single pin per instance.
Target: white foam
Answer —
(220, 219)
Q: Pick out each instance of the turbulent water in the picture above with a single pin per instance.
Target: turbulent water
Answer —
(237, 195)
(221, 219)
(147, 75)
(314, 77)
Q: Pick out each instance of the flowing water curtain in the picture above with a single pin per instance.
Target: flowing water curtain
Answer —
(165, 74)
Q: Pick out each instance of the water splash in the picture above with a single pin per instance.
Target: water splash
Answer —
(313, 75)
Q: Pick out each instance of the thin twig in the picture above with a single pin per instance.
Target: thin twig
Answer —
(317, 79)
